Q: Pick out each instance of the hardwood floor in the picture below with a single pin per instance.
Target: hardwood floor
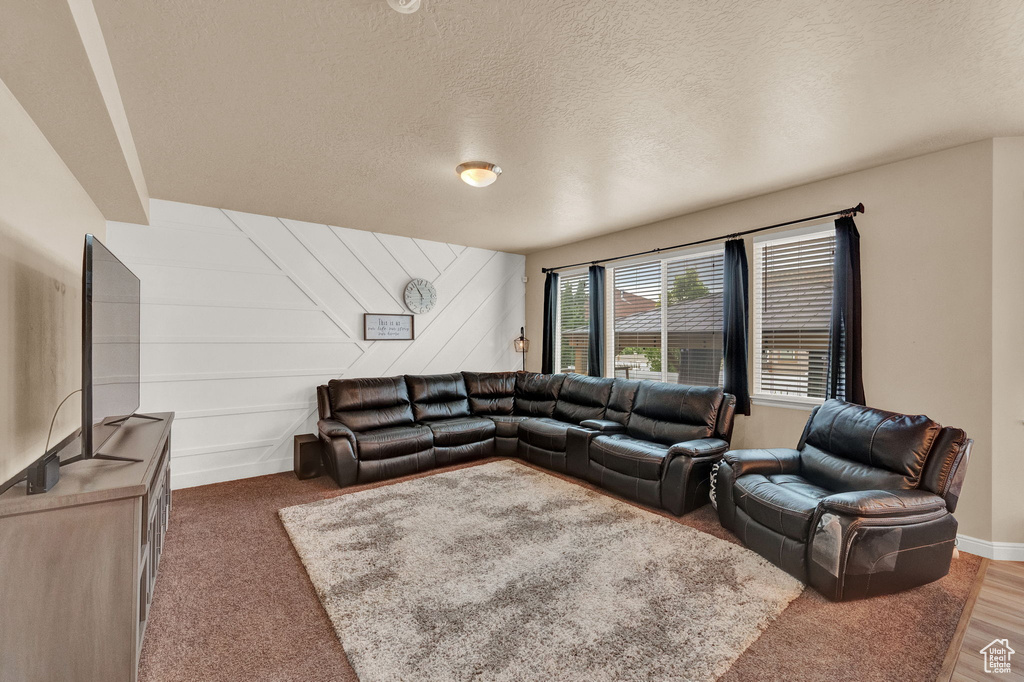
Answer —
(997, 613)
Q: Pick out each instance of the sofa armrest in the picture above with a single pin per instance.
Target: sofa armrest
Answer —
(338, 448)
(702, 447)
(332, 428)
(883, 503)
(763, 461)
(603, 425)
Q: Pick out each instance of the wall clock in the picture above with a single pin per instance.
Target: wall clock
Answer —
(420, 296)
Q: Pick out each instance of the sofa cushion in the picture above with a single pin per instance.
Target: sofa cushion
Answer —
(393, 442)
(630, 456)
(672, 413)
(449, 432)
(490, 392)
(536, 393)
(438, 396)
(784, 503)
(543, 432)
(620, 401)
(843, 435)
(375, 403)
(507, 425)
(582, 397)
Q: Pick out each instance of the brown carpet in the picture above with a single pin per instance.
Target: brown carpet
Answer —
(233, 603)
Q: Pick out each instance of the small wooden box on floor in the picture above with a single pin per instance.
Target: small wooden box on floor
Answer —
(308, 461)
(78, 563)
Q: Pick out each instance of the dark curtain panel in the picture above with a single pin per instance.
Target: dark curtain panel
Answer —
(845, 373)
(595, 354)
(547, 362)
(734, 323)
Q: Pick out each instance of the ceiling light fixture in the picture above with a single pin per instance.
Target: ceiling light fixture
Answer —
(478, 173)
(404, 6)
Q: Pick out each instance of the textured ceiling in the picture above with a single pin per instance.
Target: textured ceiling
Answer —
(604, 114)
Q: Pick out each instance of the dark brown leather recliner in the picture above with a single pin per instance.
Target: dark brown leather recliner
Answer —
(544, 438)
(369, 432)
(862, 507)
(659, 442)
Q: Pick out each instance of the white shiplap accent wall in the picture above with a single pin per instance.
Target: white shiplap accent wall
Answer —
(243, 315)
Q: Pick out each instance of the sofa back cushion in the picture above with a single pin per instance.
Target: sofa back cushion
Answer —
(365, 404)
(852, 447)
(672, 413)
(620, 402)
(582, 397)
(490, 392)
(438, 396)
(536, 393)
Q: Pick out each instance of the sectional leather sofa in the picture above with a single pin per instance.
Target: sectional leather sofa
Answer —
(863, 506)
(652, 442)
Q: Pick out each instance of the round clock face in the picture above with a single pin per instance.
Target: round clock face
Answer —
(420, 296)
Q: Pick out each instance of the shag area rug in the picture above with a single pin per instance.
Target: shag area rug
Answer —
(502, 572)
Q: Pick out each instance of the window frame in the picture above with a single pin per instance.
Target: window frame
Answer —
(664, 262)
(757, 396)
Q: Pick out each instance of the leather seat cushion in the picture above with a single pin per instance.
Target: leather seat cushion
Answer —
(545, 433)
(393, 442)
(630, 456)
(784, 503)
(449, 432)
(506, 425)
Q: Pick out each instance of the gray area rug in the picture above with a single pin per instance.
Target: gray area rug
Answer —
(503, 572)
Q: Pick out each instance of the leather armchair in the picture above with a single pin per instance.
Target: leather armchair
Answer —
(862, 507)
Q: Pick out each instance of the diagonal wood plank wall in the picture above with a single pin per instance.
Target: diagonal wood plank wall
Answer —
(243, 315)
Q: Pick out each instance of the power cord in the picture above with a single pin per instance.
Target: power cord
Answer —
(54, 419)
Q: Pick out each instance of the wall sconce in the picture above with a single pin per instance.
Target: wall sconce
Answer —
(522, 344)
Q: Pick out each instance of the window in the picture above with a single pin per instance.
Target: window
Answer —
(573, 322)
(667, 320)
(792, 307)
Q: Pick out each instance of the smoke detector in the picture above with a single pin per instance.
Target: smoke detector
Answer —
(404, 6)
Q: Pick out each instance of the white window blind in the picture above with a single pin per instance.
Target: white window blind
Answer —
(792, 306)
(573, 322)
(638, 321)
(695, 320)
(667, 320)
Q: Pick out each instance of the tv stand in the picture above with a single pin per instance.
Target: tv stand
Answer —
(79, 563)
(136, 415)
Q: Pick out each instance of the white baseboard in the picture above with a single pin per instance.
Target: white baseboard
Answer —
(232, 473)
(1000, 551)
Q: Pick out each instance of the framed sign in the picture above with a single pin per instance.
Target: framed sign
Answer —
(384, 327)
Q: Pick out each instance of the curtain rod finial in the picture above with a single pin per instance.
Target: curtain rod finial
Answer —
(859, 208)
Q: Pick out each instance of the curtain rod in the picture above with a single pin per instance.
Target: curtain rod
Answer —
(859, 208)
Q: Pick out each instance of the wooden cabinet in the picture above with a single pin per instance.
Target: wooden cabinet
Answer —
(78, 564)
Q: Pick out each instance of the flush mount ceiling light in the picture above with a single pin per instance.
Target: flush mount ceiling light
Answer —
(478, 173)
(404, 6)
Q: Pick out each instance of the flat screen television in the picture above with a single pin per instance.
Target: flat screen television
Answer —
(110, 346)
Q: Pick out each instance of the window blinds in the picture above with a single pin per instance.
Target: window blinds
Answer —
(695, 320)
(792, 306)
(573, 321)
(668, 320)
(638, 319)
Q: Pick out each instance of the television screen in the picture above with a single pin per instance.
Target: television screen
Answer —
(110, 345)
